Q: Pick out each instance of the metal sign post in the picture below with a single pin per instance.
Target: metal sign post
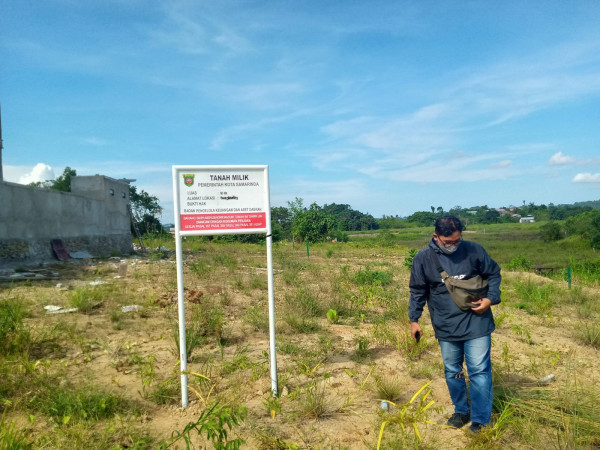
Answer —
(214, 200)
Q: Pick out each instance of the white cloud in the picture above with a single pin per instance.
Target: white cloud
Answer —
(27, 174)
(587, 178)
(558, 159)
(41, 172)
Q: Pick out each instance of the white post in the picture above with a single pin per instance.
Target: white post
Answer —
(272, 346)
(180, 293)
(181, 318)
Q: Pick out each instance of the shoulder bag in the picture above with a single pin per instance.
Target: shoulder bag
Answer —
(463, 292)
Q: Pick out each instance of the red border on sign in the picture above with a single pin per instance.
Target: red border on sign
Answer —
(229, 221)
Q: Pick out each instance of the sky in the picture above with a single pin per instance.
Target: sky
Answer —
(388, 106)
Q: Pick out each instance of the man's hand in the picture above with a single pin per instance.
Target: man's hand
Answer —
(481, 305)
(416, 328)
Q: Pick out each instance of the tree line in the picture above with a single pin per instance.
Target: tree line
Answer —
(315, 223)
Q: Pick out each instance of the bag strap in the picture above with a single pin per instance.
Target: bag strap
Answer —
(436, 261)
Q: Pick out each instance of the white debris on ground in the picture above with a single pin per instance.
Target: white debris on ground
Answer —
(53, 309)
(131, 308)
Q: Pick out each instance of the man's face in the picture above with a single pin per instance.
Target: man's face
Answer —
(448, 241)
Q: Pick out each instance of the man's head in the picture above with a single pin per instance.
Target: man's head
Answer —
(447, 236)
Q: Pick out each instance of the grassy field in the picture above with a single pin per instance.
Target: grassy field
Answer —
(107, 375)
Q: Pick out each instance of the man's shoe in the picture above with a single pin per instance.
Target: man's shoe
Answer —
(458, 420)
(475, 428)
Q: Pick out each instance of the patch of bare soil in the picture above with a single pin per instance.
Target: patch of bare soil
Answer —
(131, 353)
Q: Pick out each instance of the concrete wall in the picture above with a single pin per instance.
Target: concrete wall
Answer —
(93, 218)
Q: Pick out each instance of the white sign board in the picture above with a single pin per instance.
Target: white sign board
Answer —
(213, 200)
(223, 200)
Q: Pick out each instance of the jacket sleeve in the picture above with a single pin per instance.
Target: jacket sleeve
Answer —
(490, 270)
(419, 288)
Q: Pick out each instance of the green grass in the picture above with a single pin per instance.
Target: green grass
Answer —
(14, 337)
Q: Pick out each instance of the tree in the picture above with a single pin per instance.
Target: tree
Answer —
(350, 219)
(62, 183)
(146, 210)
(314, 225)
(281, 222)
(550, 232)
(387, 222)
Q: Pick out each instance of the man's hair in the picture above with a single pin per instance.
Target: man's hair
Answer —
(448, 224)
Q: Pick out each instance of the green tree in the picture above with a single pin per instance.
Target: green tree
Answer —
(423, 218)
(349, 219)
(550, 232)
(146, 210)
(586, 225)
(314, 225)
(387, 222)
(62, 183)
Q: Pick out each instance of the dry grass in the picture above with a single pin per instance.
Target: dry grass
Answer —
(331, 375)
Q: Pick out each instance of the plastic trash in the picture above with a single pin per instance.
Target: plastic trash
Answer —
(131, 308)
(547, 379)
(53, 309)
(385, 405)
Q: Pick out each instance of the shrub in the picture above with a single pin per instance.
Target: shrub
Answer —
(519, 263)
(550, 232)
(368, 276)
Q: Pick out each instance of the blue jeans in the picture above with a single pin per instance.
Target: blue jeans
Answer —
(476, 353)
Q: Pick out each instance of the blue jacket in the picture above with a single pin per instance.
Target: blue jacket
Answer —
(450, 323)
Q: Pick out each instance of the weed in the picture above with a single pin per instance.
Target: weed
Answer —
(11, 437)
(304, 302)
(13, 335)
(590, 334)
(315, 403)
(292, 278)
(408, 261)
(86, 299)
(166, 392)
(273, 405)
(362, 352)
(372, 277)
(523, 332)
(387, 388)
(536, 299)
(410, 413)
(215, 422)
(201, 268)
(302, 324)
(570, 408)
(225, 260)
(325, 344)
(257, 317)
(147, 374)
(289, 348)
(519, 263)
(259, 282)
(332, 316)
(67, 404)
(309, 364)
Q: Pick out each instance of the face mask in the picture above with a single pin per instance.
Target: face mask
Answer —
(447, 249)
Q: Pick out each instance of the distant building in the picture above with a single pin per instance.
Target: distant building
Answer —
(527, 219)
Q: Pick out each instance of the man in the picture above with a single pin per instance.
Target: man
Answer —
(464, 335)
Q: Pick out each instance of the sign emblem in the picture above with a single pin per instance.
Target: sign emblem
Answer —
(188, 179)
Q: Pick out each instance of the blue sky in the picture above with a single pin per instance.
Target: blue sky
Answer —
(388, 106)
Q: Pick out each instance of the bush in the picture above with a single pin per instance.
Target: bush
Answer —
(368, 276)
(550, 232)
(519, 263)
